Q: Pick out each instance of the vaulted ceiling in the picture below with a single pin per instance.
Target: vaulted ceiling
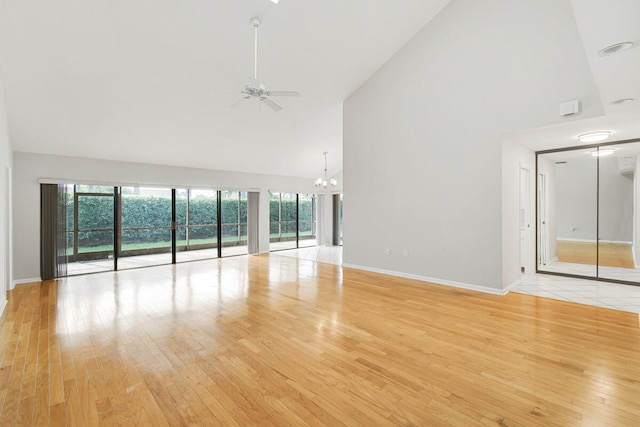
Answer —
(153, 81)
(602, 24)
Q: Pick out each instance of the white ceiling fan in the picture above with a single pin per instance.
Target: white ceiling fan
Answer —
(255, 89)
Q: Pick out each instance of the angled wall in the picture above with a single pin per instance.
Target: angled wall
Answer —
(423, 154)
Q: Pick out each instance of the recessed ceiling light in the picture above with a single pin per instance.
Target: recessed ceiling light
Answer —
(602, 152)
(623, 101)
(275, 1)
(615, 48)
(594, 136)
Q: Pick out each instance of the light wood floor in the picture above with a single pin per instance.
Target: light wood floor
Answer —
(610, 254)
(272, 340)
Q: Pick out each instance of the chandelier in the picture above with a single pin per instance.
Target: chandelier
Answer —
(323, 182)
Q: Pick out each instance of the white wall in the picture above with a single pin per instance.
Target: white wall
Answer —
(422, 137)
(5, 203)
(29, 169)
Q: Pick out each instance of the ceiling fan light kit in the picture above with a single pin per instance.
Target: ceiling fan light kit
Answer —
(254, 88)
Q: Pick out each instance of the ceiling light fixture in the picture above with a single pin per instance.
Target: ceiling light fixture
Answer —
(275, 1)
(594, 136)
(602, 152)
(615, 48)
(323, 182)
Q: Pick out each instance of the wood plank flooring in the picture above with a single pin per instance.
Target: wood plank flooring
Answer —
(272, 340)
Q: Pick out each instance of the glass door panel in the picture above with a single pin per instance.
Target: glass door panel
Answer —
(197, 234)
(282, 221)
(91, 246)
(307, 220)
(234, 223)
(146, 227)
(569, 200)
(618, 207)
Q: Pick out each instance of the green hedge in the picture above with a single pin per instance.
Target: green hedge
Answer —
(154, 211)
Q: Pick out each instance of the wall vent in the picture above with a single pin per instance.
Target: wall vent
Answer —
(571, 108)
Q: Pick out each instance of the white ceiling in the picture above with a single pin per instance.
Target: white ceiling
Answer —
(602, 24)
(152, 81)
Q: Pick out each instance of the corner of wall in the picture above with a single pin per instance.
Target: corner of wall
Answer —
(6, 204)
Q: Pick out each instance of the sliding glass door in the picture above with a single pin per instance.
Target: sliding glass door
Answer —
(293, 220)
(282, 221)
(197, 224)
(146, 227)
(588, 212)
(307, 220)
(233, 205)
(93, 228)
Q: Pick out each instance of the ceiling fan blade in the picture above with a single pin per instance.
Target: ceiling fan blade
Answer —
(271, 104)
(283, 93)
(239, 101)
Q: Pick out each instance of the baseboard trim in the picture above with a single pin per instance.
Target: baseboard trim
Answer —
(23, 281)
(3, 305)
(436, 281)
(511, 286)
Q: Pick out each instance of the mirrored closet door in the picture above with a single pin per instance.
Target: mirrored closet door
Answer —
(587, 205)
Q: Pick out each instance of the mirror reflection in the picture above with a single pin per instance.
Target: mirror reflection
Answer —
(588, 203)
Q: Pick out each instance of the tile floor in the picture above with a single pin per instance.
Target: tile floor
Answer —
(325, 254)
(590, 292)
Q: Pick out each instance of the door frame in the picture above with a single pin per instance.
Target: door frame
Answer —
(526, 231)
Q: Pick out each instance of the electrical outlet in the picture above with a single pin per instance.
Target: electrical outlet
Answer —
(387, 251)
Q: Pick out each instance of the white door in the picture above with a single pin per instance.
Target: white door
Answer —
(525, 222)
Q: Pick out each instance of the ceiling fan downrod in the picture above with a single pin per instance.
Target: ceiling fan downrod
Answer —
(255, 22)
